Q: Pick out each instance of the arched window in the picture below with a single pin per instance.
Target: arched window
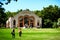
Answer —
(8, 24)
(21, 24)
(26, 20)
(31, 21)
(20, 21)
(14, 22)
(37, 23)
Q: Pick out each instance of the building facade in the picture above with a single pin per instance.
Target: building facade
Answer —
(24, 19)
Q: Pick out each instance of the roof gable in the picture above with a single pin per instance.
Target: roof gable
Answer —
(25, 12)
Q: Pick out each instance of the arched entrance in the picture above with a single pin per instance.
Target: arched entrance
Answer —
(20, 21)
(28, 20)
(14, 23)
(32, 20)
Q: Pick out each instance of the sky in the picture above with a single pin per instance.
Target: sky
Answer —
(30, 4)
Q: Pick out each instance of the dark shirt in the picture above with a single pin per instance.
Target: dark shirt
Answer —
(13, 33)
(20, 33)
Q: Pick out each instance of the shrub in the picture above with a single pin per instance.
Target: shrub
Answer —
(55, 25)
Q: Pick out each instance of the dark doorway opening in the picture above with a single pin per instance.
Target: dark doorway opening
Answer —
(21, 24)
(14, 22)
(26, 21)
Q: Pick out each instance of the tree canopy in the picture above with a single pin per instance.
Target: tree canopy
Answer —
(3, 15)
(49, 15)
(8, 1)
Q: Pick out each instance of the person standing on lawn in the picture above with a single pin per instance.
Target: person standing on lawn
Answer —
(13, 33)
(20, 32)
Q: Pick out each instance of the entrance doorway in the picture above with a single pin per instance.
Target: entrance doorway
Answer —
(26, 20)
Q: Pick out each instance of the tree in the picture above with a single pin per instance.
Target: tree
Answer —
(27, 9)
(19, 10)
(51, 13)
(58, 22)
(8, 1)
(10, 14)
(2, 17)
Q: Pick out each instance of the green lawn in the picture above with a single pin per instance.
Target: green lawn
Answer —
(31, 34)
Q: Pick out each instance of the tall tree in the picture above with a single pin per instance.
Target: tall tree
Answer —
(10, 14)
(2, 13)
(51, 13)
(2, 17)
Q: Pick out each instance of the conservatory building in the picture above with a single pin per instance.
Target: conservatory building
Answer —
(24, 19)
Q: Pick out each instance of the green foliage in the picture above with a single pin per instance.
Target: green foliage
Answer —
(58, 23)
(55, 25)
(51, 13)
(19, 11)
(2, 17)
(27, 9)
(47, 23)
(10, 14)
(8, 1)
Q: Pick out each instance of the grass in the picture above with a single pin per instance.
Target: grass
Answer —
(31, 34)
